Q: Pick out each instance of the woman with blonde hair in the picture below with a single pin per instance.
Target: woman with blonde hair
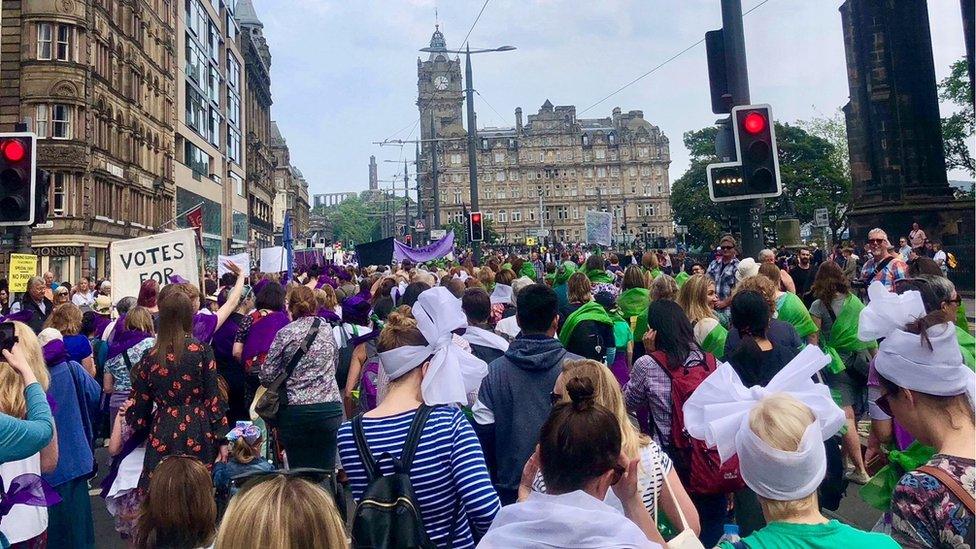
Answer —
(697, 298)
(27, 430)
(66, 318)
(279, 512)
(654, 463)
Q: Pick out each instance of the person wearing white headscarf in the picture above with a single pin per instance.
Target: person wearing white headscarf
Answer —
(927, 387)
(430, 374)
(778, 433)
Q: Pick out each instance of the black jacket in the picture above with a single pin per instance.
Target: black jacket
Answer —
(36, 322)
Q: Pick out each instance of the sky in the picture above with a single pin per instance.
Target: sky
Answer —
(344, 73)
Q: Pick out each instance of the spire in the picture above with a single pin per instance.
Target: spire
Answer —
(437, 43)
(547, 106)
(246, 16)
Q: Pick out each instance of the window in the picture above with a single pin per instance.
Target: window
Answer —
(499, 157)
(531, 215)
(648, 210)
(213, 135)
(238, 182)
(61, 122)
(614, 171)
(645, 170)
(601, 171)
(642, 152)
(502, 216)
(58, 193)
(516, 192)
(457, 196)
(41, 121)
(64, 43)
(44, 41)
(575, 212)
(455, 159)
(484, 145)
(233, 108)
(502, 193)
(196, 112)
(516, 215)
(660, 189)
(233, 72)
(196, 159)
(601, 154)
(588, 173)
(513, 175)
(500, 176)
(213, 89)
(632, 171)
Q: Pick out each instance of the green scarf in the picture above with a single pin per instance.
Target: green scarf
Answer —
(599, 276)
(791, 309)
(843, 334)
(681, 278)
(715, 341)
(877, 492)
(563, 273)
(505, 266)
(528, 270)
(588, 311)
(961, 319)
(967, 345)
(633, 305)
(655, 272)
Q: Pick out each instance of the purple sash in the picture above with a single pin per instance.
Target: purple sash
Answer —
(262, 334)
(101, 322)
(204, 326)
(27, 489)
(55, 352)
(122, 342)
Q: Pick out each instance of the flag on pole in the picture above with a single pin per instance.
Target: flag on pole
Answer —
(194, 218)
(287, 239)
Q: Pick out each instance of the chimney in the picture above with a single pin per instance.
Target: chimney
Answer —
(518, 121)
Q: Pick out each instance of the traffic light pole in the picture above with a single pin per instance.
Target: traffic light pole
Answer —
(749, 212)
(435, 190)
(472, 150)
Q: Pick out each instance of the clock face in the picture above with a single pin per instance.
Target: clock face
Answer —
(441, 82)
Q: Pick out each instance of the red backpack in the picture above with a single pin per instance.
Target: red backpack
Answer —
(705, 472)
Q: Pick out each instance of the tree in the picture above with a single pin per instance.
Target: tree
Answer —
(809, 170)
(958, 128)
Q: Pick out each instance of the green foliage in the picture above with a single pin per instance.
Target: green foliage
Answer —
(809, 169)
(958, 128)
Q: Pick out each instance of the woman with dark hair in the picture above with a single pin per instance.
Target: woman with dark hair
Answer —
(756, 359)
(633, 301)
(413, 291)
(177, 403)
(258, 329)
(228, 366)
(580, 457)
(308, 421)
(602, 280)
(835, 311)
(670, 345)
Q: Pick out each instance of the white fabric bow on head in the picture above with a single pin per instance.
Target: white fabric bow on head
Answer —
(887, 312)
(720, 406)
(501, 294)
(454, 373)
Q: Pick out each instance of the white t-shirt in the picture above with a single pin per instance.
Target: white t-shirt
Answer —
(24, 521)
(939, 258)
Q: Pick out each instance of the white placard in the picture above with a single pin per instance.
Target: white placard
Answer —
(158, 256)
(437, 234)
(273, 260)
(242, 260)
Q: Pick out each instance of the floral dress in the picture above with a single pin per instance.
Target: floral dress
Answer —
(926, 514)
(189, 418)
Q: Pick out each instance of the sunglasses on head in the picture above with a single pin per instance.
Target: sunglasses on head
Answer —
(247, 481)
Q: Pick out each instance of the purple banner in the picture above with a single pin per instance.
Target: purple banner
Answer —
(307, 258)
(429, 252)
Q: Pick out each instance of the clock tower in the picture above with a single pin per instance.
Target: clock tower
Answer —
(439, 92)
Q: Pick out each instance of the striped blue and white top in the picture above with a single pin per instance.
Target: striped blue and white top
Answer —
(448, 470)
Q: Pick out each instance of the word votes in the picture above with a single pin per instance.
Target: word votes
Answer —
(150, 257)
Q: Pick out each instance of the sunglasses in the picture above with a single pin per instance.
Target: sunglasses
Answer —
(876, 240)
(884, 405)
(727, 247)
(247, 481)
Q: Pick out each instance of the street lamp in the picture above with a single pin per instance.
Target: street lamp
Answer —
(472, 124)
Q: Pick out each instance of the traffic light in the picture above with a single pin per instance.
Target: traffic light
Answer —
(409, 240)
(755, 173)
(41, 202)
(476, 229)
(18, 179)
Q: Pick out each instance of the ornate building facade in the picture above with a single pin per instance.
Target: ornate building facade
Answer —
(95, 81)
(209, 128)
(257, 116)
(544, 173)
(291, 191)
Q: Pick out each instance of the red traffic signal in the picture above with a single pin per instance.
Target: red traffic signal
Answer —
(476, 217)
(754, 123)
(476, 230)
(18, 179)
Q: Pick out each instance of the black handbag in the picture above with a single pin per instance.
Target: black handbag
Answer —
(274, 395)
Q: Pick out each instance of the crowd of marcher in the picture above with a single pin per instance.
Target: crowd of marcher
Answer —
(588, 400)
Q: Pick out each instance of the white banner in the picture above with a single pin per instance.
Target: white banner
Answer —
(158, 257)
(242, 260)
(273, 260)
(599, 228)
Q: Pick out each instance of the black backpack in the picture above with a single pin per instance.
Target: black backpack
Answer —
(388, 515)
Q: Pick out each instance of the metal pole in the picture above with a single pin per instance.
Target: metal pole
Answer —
(472, 143)
(749, 211)
(435, 191)
(406, 201)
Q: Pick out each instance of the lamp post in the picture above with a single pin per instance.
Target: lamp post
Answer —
(472, 125)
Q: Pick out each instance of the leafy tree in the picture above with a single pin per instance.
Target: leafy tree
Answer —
(809, 170)
(958, 128)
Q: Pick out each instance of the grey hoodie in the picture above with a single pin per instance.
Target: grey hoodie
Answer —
(517, 390)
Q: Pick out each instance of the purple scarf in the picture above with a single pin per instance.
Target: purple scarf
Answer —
(121, 342)
(223, 338)
(262, 334)
(204, 326)
(27, 489)
(55, 353)
(100, 322)
(19, 316)
(328, 315)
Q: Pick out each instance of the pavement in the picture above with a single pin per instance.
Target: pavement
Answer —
(852, 510)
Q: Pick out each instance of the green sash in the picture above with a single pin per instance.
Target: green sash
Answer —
(967, 345)
(791, 309)
(715, 341)
(563, 273)
(633, 303)
(588, 311)
(843, 334)
(505, 266)
(961, 319)
(656, 272)
(599, 276)
(877, 492)
(621, 331)
(528, 270)
(681, 278)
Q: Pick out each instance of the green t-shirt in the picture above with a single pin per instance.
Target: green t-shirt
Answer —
(830, 535)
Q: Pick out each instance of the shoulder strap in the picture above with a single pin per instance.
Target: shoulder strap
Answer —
(884, 263)
(952, 484)
(413, 437)
(128, 361)
(830, 311)
(313, 331)
(372, 471)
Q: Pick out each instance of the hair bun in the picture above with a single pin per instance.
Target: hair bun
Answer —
(581, 392)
